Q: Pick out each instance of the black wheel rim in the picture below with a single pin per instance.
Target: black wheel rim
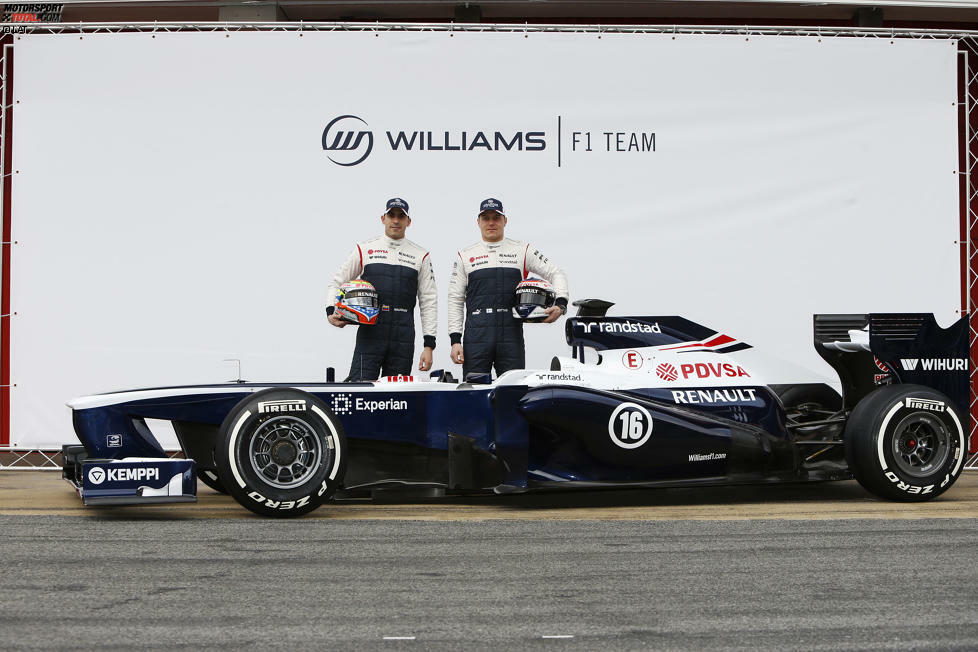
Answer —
(921, 444)
(285, 451)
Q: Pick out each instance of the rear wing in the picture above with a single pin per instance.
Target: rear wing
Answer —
(882, 348)
(592, 328)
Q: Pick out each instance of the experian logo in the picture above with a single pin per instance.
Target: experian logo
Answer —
(346, 403)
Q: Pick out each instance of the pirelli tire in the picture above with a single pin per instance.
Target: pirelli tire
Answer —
(905, 442)
(281, 453)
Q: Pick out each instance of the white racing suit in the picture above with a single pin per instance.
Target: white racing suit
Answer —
(401, 272)
(481, 295)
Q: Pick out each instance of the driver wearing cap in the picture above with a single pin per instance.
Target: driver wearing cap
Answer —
(481, 293)
(401, 272)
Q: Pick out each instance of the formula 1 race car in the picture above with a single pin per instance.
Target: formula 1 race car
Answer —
(643, 402)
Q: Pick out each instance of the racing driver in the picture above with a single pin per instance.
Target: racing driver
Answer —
(401, 271)
(481, 293)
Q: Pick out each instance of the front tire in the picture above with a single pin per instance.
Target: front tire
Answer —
(281, 453)
(905, 442)
(210, 479)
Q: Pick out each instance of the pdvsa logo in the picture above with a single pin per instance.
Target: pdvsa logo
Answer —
(350, 143)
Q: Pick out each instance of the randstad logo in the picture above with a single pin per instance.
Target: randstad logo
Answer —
(344, 136)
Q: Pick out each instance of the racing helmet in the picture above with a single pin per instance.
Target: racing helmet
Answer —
(358, 303)
(533, 297)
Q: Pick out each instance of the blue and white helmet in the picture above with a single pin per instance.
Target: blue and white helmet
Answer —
(533, 297)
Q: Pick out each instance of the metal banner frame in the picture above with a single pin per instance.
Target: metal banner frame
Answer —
(11, 458)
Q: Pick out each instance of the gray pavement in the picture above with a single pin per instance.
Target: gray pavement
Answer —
(71, 582)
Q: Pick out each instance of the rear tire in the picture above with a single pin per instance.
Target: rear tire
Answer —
(811, 395)
(281, 453)
(905, 442)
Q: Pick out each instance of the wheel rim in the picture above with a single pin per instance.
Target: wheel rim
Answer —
(921, 444)
(285, 451)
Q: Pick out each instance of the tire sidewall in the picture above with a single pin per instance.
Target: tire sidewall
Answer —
(248, 487)
(214, 483)
(871, 431)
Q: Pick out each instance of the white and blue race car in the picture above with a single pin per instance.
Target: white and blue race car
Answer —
(643, 402)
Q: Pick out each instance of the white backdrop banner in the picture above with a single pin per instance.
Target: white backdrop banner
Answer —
(174, 205)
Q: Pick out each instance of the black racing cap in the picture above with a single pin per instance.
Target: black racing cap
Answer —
(491, 205)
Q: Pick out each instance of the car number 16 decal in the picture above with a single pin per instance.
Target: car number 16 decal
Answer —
(630, 425)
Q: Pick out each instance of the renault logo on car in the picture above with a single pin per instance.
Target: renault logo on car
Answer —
(345, 137)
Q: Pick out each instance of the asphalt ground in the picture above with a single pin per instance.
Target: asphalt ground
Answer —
(45, 493)
(802, 567)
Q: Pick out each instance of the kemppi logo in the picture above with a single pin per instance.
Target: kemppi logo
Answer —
(354, 143)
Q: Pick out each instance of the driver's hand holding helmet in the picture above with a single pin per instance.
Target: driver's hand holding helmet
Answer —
(532, 299)
(357, 303)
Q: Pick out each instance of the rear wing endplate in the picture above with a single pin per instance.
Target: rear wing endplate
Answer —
(881, 348)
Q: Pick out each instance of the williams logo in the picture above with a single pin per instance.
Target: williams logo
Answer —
(348, 140)
(349, 143)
